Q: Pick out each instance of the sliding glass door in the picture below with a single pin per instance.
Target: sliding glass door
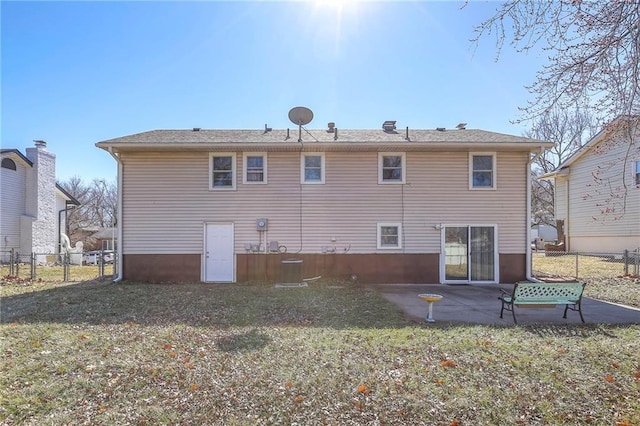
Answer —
(469, 254)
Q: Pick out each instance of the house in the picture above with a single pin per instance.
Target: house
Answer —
(106, 238)
(597, 191)
(382, 206)
(33, 206)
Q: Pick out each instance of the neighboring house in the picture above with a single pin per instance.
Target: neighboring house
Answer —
(106, 238)
(597, 191)
(33, 207)
(408, 206)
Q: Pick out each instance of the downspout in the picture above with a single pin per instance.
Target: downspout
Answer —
(118, 277)
(529, 277)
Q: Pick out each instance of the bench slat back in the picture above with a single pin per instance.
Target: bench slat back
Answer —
(547, 291)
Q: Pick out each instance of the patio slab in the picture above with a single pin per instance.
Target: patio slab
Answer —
(479, 304)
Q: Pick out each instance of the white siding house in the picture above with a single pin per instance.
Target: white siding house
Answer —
(33, 207)
(385, 206)
(597, 191)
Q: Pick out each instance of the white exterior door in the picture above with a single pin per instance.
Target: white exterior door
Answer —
(219, 264)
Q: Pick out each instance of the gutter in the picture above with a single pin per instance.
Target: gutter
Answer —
(118, 277)
(528, 262)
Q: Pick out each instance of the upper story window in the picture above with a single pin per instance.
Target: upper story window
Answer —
(8, 163)
(391, 167)
(255, 167)
(482, 170)
(222, 171)
(312, 168)
(389, 235)
(637, 174)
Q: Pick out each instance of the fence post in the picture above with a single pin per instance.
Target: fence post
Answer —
(626, 262)
(11, 260)
(65, 267)
(17, 260)
(577, 269)
(33, 266)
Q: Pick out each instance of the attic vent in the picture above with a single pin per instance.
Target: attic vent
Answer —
(267, 129)
(389, 126)
(196, 129)
(331, 127)
(461, 126)
(441, 129)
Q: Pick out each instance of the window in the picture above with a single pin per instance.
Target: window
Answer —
(255, 167)
(637, 174)
(482, 171)
(312, 168)
(8, 163)
(389, 235)
(222, 169)
(391, 167)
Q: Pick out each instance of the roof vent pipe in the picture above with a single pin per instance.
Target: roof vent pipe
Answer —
(406, 137)
(335, 134)
(287, 138)
(267, 129)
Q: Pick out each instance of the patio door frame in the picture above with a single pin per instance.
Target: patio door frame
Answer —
(469, 279)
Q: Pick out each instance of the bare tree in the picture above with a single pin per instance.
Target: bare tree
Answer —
(98, 208)
(594, 52)
(569, 129)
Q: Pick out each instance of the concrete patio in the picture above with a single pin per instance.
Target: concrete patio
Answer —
(479, 304)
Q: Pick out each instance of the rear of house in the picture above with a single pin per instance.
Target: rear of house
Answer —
(421, 206)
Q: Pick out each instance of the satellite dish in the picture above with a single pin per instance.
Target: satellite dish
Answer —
(300, 115)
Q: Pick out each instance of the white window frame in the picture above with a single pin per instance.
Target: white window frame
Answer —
(245, 164)
(381, 225)
(232, 187)
(381, 179)
(494, 171)
(303, 168)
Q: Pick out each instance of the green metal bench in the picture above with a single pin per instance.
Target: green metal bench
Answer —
(543, 295)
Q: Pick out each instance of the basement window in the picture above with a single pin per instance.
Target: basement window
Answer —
(222, 171)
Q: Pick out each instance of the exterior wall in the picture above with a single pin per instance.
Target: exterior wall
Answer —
(600, 217)
(166, 201)
(12, 206)
(41, 200)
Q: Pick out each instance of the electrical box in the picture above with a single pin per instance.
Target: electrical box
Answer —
(262, 224)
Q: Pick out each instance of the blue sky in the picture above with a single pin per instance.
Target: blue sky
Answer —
(76, 73)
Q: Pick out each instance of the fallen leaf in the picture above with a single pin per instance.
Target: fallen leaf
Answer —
(168, 346)
(448, 363)
(288, 385)
(298, 399)
(194, 387)
(609, 378)
(454, 422)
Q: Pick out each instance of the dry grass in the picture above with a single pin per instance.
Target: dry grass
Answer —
(101, 354)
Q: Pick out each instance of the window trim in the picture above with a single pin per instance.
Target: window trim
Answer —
(245, 166)
(213, 155)
(379, 244)
(636, 173)
(303, 168)
(381, 180)
(494, 171)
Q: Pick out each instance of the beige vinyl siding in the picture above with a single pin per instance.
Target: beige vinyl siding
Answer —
(167, 201)
(12, 205)
(588, 199)
(560, 198)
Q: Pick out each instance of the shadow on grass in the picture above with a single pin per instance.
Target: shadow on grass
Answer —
(200, 304)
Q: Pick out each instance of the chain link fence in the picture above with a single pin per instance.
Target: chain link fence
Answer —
(585, 265)
(58, 267)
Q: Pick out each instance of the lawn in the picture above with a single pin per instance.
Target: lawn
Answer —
(102, 354)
